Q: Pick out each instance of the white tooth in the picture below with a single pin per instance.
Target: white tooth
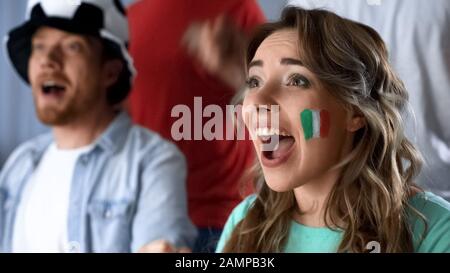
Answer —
(49, 83)
(267, 132)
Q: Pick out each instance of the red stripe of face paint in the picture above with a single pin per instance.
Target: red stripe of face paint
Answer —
(324, 123)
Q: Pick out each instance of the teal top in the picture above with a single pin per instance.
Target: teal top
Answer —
(304, 239)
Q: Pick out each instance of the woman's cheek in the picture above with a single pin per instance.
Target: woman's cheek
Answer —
(315, 123)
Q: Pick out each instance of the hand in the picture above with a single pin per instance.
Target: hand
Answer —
(162, 246)
(219, 46)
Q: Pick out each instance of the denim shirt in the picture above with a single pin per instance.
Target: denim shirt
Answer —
(129, 190)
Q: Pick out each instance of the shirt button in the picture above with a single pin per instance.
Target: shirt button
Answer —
(108, 214)
(74, 247)
(84, 160)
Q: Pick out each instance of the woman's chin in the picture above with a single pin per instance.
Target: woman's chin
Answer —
(279, 185)
(283, 183)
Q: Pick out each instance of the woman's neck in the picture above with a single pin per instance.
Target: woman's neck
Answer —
(312, 199)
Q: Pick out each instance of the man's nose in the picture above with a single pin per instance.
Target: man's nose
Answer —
(52, 58)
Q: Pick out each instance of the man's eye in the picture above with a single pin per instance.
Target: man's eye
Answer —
(298, 80)
(252, 82)
(38, 47)
(74, 46)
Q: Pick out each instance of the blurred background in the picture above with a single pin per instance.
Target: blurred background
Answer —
(18, 122)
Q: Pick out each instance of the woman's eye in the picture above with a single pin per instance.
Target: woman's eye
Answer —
(298, 80)
(252, 82)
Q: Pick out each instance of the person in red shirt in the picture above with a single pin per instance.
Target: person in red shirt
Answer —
(169, 76)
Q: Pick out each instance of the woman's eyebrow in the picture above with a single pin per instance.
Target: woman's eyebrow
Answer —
(290, 61)
(255, 63)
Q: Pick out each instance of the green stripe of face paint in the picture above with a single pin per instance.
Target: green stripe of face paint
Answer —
(307, 123)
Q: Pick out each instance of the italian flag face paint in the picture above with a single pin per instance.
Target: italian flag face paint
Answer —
(316, 123)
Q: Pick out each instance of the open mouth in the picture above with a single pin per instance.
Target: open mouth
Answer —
(52, 88)
(277, 145)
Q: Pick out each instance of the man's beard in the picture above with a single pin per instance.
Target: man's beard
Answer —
(73, 109)
(52, 116)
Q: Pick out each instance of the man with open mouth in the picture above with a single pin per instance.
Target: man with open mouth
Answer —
(97, 183)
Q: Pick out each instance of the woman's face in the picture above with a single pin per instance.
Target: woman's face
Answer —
(315, 131)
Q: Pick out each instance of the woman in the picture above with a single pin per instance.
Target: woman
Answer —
(342, 177)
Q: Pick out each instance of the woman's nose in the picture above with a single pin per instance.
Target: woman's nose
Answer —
(265, 98)
(262, 109)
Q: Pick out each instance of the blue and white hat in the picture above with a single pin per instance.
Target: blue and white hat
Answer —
(105, 19)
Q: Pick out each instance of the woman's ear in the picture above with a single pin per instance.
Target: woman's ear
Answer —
(111, 72)
(356, 121)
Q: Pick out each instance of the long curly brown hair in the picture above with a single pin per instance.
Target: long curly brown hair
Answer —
(370, 200)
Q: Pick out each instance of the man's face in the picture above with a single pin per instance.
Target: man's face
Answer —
(65, 73)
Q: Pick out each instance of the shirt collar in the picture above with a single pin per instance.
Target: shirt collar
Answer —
(109, 141)
(116, 133)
